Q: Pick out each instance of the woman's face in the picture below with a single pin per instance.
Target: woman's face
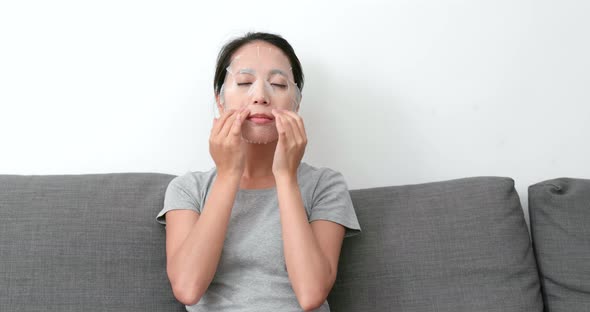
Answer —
(259, 76)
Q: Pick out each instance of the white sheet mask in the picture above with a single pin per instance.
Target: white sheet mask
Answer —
(260, 78)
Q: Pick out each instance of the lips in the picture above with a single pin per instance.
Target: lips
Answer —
(261, 116)
(260, 119)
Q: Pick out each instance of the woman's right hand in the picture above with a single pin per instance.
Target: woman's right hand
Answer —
(225, 142)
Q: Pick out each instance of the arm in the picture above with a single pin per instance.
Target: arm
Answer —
(194, 243)
(311, 251)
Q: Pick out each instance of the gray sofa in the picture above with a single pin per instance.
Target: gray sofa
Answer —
(91, 243)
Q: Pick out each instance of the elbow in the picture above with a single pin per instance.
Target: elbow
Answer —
(313, 295)
(185, 291)
(312, 300)
(186, 295)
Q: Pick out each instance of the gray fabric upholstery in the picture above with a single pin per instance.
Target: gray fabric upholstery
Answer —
(458, 245)
(90, 243)
(83, 243)
(560, 228)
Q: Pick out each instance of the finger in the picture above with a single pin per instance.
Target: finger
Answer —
(292, 125)
(236, 128)
(221, 121)
(289, 131)
(229, 123)
(299, 122)
(214, 131)
(280, 127)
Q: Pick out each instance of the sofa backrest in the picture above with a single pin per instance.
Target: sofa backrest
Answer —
(560, 228)
(91, 242)
(83, 243)
(458, 245)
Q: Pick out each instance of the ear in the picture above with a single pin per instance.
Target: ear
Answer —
(218, 103)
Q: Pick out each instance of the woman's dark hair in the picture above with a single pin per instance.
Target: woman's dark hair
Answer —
(224, 57)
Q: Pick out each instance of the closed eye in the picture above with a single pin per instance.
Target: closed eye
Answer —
(244, 83)
(279, 85)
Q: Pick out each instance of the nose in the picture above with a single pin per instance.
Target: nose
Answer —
(260, 96)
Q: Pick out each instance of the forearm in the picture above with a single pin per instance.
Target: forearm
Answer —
(193, 265)
(308, 268)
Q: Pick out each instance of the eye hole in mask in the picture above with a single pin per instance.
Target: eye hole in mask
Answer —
(273, 85)
(260, 73)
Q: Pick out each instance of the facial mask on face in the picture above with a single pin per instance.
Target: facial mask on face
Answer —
(258, 77)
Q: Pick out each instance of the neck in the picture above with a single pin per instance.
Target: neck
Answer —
(259, 159)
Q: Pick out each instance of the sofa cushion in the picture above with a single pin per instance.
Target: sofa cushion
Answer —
(458, 245)
(83, 243)
(560, 229)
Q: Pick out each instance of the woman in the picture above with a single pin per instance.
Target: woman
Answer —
(261, 231)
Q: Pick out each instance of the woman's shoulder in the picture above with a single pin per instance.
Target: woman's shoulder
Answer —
(307, 170)
(195, 179)
(317, 177)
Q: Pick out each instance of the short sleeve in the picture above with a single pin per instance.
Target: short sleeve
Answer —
(331, 201)
(178, 196)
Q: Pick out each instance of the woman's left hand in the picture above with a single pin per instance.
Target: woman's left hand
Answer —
(291, 145)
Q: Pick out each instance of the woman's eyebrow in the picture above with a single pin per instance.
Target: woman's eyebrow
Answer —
(277, 71)
(247, 71)
(253, 72)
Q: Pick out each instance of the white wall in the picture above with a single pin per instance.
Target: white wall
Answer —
(396, 92)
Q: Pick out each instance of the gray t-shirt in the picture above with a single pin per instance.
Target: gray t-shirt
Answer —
(252, 274)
